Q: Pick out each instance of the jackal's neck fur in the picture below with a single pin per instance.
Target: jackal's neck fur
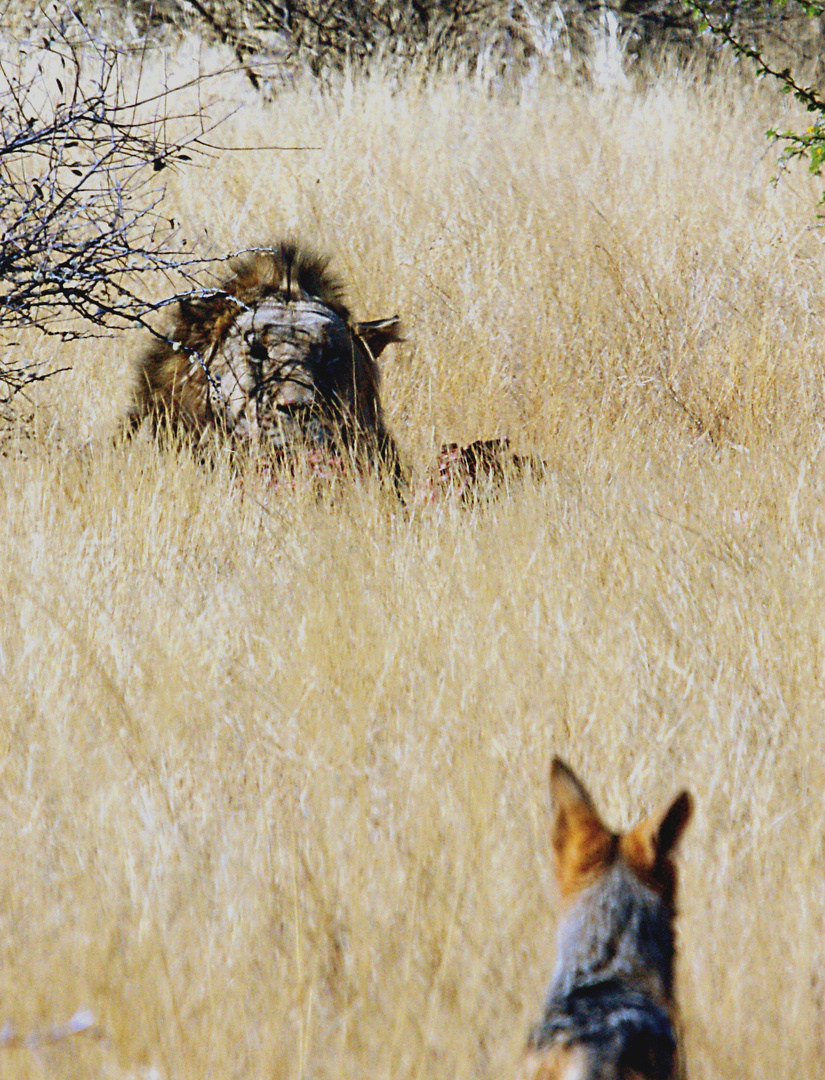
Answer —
(617, 930)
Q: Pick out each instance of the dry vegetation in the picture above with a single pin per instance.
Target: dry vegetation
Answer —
(274, 767)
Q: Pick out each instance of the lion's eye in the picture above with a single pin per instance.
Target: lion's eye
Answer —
(257, 351)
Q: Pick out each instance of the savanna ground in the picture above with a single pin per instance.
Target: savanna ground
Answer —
(274, 767)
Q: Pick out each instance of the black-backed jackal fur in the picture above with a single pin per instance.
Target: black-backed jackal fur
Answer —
(610, 1012)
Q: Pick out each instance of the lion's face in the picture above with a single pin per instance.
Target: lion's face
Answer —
(286, 372)
(272, 359)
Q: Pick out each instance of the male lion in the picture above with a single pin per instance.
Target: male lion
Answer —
(272, 360)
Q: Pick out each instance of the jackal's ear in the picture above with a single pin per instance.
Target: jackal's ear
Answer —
(657, 836)
(649, 847)
(672, 824)
(379, 333)
(567, 791)
(582, 843)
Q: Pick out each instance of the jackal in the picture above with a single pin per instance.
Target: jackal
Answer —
(610, 1012)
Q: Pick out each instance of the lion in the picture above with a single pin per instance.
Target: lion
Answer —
(272, 360)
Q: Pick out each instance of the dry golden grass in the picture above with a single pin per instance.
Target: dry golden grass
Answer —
(274, 768)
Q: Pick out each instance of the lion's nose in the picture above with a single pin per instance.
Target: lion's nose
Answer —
(292, 394)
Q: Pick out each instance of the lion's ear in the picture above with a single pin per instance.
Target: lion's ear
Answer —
(380, 333)
(193, 309)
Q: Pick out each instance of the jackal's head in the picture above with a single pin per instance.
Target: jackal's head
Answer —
(584, 847)
(618, 892)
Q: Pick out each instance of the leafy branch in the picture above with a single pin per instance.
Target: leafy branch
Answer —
(809, 143)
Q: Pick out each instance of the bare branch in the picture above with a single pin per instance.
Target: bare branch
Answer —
(82, 232)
